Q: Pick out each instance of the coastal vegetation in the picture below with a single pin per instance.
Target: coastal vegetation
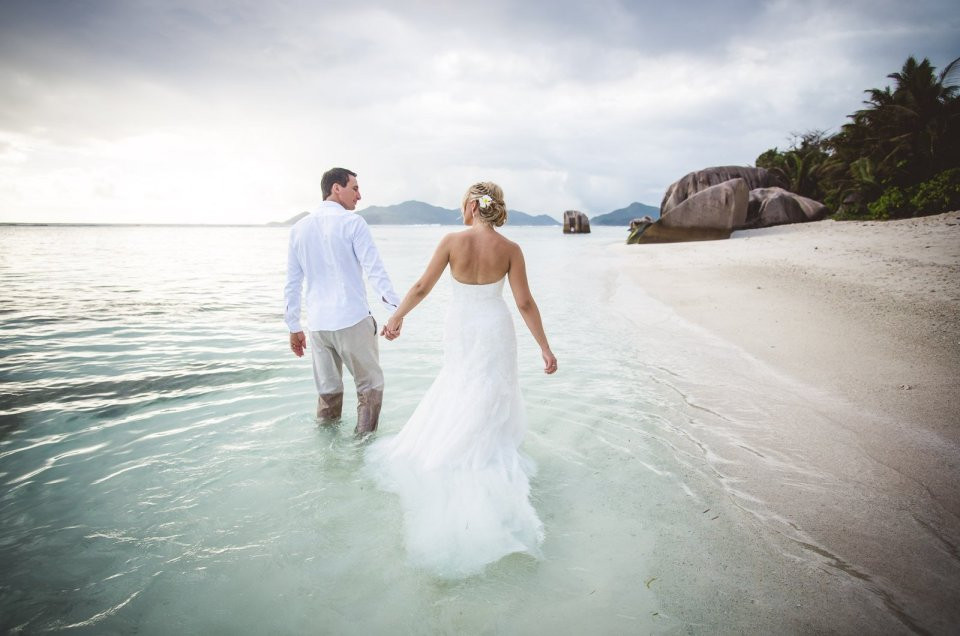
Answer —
(897, 157)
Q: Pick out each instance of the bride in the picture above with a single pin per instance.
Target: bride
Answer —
(462, 482)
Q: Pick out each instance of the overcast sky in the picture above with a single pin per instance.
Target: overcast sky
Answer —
(217, 111)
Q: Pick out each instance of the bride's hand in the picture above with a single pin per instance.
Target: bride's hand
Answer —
(549, 362)
(391, 330)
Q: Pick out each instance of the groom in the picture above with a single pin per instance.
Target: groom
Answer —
(332, 248)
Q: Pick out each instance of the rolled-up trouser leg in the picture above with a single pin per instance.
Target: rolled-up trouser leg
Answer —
(330, 406)
(360, 353)
(368, 411)
(327, 374)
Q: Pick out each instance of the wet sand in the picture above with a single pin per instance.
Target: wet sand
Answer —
(866, 315)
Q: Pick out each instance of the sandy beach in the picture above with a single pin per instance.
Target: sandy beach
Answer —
(866, 315)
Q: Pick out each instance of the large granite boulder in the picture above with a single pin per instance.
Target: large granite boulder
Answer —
(575, 222)
(700, 180)
(712, 213)
(712, 203)
(776, 206)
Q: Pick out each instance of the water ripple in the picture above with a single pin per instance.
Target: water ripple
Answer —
(159, 457)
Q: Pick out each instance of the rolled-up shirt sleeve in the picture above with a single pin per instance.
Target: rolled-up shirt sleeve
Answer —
(293, 291)
(369, 257)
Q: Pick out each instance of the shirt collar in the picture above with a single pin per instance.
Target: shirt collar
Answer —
(330, 206)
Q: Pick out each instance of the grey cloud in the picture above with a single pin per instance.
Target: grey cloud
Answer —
(582, 96)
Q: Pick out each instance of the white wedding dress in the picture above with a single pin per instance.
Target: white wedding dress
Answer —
(462, 482)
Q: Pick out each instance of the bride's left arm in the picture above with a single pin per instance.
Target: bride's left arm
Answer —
(421, 288)
(528, 308)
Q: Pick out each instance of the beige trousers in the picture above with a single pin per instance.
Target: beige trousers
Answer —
(357, 348)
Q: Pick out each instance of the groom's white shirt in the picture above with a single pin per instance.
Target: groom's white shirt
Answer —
(332, 248)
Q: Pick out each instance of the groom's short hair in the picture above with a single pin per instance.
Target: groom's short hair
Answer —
(334, 175)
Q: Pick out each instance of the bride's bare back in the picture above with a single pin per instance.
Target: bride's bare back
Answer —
(480, 258)
(479, 255)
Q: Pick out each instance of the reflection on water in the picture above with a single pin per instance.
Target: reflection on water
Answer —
(160, 470)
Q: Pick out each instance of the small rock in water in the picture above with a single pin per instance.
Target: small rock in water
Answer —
(905, 387)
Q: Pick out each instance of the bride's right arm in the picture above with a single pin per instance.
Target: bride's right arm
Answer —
(528, 308)
(421, 288)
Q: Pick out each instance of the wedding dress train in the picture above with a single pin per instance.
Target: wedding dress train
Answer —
(456, 466)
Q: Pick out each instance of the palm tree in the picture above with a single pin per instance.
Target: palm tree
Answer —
(799, 166)
(906, 135)
(917, 122)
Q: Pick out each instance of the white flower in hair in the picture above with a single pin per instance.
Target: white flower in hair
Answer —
(484, 201)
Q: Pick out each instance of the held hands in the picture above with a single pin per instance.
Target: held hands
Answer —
(298, 342)
(549, 362)
(391, 330)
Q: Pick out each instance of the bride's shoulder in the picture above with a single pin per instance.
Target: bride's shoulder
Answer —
(510, 245)
(452, 237)
(451, 241)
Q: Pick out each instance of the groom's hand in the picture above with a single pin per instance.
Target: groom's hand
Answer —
(298, 342)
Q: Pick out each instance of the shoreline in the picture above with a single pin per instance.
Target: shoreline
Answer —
(868, 310)
(866, 315)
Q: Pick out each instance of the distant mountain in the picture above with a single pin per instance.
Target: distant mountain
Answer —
(623, 216)
(515, 217)
(290, 221)
(420, 213)
(410, 213)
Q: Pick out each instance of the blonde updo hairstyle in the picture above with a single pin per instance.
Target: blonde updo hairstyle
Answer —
(495, 212)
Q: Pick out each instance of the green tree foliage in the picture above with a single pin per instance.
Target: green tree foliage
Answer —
(929, 197)
(899, 156)
(801, 165)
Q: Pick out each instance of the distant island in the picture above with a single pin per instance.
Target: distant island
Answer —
(420, 213)
(623, 216)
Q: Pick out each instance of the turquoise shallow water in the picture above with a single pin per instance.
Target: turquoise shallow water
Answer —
(161, 470)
